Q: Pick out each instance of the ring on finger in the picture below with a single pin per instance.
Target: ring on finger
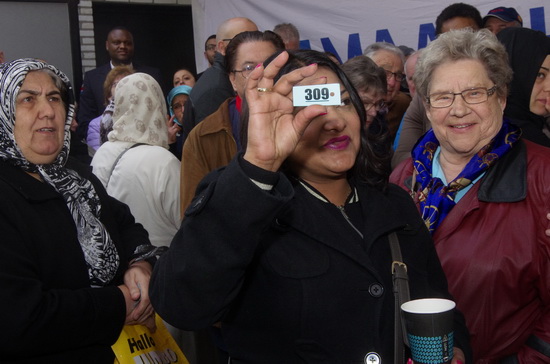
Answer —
(265, 89)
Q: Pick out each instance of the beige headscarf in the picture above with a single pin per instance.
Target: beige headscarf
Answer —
(140, 111)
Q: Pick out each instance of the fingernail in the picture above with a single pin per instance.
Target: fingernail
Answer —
(459, 362)
(410, 361)
(323, 113)
(311, 64)
(258, 65)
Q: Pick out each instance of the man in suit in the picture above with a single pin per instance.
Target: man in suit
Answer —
(120, 46)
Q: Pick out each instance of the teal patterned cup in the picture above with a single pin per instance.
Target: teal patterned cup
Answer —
(429, 323)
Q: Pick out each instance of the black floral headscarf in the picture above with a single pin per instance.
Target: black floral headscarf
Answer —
(79, 194)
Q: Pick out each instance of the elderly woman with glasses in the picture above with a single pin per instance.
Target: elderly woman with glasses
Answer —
(483, 192)
(370, 82)
(214, 142)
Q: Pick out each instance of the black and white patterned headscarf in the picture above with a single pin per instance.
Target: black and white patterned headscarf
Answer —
(79, 194)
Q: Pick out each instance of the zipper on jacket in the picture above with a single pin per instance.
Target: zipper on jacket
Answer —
(341, 208)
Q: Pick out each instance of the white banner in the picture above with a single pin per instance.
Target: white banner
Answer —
(346, 27)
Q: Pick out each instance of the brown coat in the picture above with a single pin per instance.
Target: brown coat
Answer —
(415, 124)
(210, 145)
(396, 110)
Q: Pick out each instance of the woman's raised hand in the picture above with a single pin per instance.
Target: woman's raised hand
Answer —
(274, 128)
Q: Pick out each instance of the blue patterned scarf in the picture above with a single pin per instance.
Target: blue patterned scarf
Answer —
(437, 199)
(79, 194)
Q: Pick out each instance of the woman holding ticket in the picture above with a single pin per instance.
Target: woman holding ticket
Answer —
(287, 247)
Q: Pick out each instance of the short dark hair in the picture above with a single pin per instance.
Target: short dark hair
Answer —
(246, 37)
(458, 10)
(213, 36)
(119, 27)
(369, 168)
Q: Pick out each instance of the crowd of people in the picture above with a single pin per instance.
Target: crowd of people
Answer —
(263, 232)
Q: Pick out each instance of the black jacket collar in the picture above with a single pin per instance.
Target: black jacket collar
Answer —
(29, 187)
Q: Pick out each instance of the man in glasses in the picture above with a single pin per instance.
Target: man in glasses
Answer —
(213, 87)
(210, 49)
(392, 60)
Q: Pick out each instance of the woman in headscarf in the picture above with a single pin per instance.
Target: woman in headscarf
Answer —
(177, 97)
(103, 124)
(135, 165)
(71, 265)
(529, 56)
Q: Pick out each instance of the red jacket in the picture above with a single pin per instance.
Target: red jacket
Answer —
(495, 253)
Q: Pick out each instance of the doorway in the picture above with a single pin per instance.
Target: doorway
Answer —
(163, 35)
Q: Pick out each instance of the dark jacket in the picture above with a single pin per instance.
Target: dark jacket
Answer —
(496, 256)
(92, 100)
(49, 312)
(288, 277)
(396, 109)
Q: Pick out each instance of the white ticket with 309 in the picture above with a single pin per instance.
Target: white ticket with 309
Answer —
(326, 94)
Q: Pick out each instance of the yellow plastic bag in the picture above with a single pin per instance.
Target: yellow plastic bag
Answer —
(136, 344)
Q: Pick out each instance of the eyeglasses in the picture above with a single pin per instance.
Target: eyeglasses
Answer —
(379, 105)
(246, 70)
(471, 96)
(210, 47)
(397, 75)
(177, 106)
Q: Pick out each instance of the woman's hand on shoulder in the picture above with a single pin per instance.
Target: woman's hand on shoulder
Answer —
(274, 128)
(136, 294)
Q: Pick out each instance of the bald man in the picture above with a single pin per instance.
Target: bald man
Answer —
(213, 87)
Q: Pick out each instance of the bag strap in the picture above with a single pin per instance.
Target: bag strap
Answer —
(118, 158)
(401, 294)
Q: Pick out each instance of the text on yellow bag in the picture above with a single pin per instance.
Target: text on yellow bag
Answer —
(137, 345)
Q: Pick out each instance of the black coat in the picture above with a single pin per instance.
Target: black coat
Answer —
(48, 310)
(92, 100)
(288, 277)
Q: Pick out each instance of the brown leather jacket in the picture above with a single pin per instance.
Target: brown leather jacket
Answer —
(210, 145)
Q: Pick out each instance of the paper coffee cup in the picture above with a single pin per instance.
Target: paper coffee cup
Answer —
(429, 324)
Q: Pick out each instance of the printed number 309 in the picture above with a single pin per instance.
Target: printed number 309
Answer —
(316, 94)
